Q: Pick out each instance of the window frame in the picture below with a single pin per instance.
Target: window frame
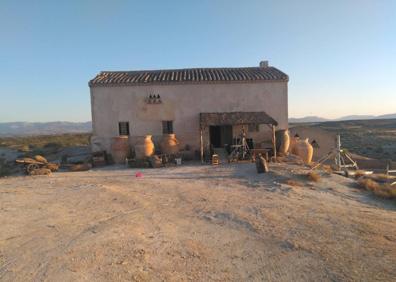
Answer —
(167, 127)
(123, 125)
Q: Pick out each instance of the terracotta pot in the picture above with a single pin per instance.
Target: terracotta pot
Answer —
(304, 150)
(292, 146)
(144, 147)
(120, 149)
(169, 144)
(284, 142)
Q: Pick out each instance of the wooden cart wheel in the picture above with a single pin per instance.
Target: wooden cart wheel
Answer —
(31, 167)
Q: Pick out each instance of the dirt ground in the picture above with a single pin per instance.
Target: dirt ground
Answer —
(193, 223)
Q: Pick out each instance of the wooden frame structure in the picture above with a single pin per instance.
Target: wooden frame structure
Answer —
(388, 168)
(341, 156)
(235, 118)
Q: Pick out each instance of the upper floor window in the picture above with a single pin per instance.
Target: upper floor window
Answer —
(123, 128)
(167, 127)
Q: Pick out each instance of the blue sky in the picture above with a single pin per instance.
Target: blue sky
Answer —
(340, 54)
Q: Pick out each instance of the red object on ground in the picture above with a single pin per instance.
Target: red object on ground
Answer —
(139, 174)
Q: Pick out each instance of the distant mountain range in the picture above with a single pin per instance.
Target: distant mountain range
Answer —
(43, 128)
(351, 117)
(60, 127)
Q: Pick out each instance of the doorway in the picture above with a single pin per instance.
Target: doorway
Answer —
(220, 136)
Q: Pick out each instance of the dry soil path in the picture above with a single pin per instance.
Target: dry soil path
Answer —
(193, 223)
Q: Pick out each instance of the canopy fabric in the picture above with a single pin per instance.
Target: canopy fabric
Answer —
(235, 118)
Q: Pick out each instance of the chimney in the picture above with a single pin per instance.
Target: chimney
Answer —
(264, 64)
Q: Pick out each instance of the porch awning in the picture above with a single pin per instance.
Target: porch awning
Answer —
(235, 118)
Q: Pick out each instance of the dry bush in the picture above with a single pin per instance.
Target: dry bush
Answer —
(359, 173)
(368, 184)
(327, 169)
(294, 183)
(386, 191)
(40, 171)
(382, 177)
(381, 190)
(313, 176)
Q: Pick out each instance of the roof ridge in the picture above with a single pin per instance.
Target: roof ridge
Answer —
(183, 69)
(189, 75)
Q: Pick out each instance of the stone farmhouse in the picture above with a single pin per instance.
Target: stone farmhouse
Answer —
(205, 107)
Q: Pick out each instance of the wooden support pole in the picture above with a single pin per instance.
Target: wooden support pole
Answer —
(274, 141)
(338, 152)
(201, 145)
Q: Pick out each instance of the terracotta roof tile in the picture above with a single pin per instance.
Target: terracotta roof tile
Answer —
(195, 75)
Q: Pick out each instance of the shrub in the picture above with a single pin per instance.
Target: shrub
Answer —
(368, 183)
(327, 169)
(313, 176)
(385, 190)
(293, 183)
(359, 173)
(382, 177)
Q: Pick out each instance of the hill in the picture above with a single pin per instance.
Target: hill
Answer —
(43, 128)
(344, 118)
(307, 119)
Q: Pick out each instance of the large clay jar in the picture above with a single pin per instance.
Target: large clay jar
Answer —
(292, 146)
(169, 144)
(120, 149)
(304, 150)
(144, 147)
(285, 142)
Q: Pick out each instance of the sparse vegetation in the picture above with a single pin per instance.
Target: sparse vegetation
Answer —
(383, 190)
(382, 177)
(294, 183)
(368, 183)
(372, 138)
(313, 176)
(44, 142)
(327, 169)
(359, 173)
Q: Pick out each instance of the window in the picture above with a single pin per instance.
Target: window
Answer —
(167, 127)
(123, 128)
(253, 127)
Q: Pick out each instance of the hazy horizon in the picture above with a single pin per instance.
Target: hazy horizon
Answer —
(340, 55)
(85, 121)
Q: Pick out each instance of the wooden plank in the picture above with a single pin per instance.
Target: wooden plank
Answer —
(201, 146)
(274, 141)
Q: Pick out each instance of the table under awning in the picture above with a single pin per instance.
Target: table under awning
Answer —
(236, 118)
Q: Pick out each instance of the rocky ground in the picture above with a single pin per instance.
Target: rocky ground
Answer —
(193, 223)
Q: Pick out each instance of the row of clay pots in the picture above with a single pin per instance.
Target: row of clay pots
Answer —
(144, 147)
(296, 146)
(303, 149)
